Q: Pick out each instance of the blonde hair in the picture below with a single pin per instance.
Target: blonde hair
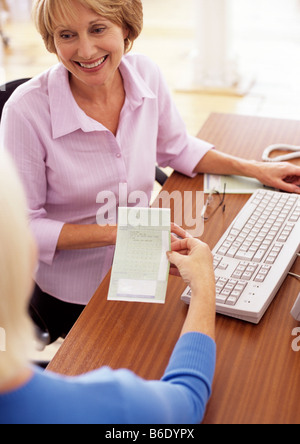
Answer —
(16, 263)
(128, 14)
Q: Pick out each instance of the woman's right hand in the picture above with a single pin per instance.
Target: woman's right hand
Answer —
(192, 260)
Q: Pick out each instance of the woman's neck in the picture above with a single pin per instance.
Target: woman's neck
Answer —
(101, 103)
(98, 93)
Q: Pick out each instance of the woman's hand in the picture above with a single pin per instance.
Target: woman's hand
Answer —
(178, 233)
(284, 176)
(192, 260)
(281, 175)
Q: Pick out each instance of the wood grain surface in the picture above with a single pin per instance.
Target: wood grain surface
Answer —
(257, 376)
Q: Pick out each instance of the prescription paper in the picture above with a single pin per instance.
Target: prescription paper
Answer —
(234, 184)
(140, 268)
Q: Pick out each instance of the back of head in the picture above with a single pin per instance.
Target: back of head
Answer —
(16, 263)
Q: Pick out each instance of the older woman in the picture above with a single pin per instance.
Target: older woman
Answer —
(28, 395)
(100, 118)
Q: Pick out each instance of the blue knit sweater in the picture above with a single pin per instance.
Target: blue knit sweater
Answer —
(119, 397)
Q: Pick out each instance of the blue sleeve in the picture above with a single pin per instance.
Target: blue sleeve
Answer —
(105, 396)
(182, 394)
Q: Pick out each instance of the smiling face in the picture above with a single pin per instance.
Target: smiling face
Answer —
(90, 46)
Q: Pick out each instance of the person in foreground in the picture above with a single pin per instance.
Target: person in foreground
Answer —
(92, 126)
(29, 395)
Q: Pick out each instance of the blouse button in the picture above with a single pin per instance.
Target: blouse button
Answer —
(118, 155)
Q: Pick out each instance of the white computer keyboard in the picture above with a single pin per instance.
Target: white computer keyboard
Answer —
(255, 254)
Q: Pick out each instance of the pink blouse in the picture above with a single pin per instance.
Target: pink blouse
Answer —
(65, 159)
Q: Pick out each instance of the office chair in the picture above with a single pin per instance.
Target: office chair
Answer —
(160, 176)
(6, 91)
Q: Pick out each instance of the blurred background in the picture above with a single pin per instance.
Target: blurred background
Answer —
(262, 49)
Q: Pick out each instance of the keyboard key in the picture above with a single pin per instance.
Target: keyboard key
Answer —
(245, 255)
(250, 264)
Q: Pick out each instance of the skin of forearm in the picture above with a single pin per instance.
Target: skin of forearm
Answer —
(202, 310)
(215, 162)
(75, 237)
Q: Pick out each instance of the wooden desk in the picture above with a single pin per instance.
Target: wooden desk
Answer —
(257, 376)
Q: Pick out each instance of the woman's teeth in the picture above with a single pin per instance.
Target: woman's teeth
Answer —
(93, 65)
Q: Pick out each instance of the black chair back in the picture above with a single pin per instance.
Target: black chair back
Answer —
(7, 89)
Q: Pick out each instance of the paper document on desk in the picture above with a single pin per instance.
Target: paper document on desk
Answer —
(234, 184)
(140, 268)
